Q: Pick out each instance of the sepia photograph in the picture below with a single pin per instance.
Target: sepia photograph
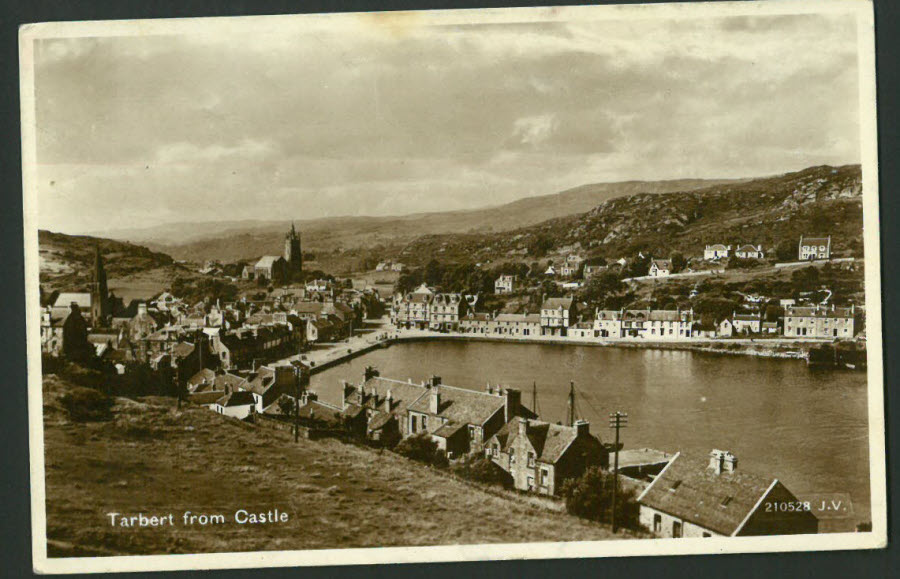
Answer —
(453, 285)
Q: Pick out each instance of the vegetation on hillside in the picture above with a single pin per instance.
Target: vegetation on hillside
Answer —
(154, 458)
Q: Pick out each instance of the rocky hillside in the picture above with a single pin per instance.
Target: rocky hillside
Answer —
(815, 201)
(67, 261)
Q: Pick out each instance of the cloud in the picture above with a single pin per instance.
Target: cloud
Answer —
(390, 117)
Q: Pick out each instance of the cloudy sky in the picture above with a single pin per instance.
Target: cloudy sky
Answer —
(303, 121)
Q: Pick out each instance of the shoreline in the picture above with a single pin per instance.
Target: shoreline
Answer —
(762, 348)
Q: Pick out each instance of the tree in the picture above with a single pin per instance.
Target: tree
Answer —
(75, 344)
(786, 250)
(423, 449)
(805, 279)
(601, 287)
(679, 262)
(539, 245)
(590, 497)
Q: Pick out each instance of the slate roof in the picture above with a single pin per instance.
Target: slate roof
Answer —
(236, 398)
(717, 247)
(810, 241)
(746, 317)
(749, 248)
(665, 264)
(665, 315)
(196, 382)
(550, 441)
(813, 312)
(556, 303)
(320, 412)
(688, 489)
(208, 397)
(461, 405)
(609, 315)
(519, 318)
(182, 350)
(65, 299)
(267, 261)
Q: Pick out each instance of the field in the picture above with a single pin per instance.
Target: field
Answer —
(154, 459)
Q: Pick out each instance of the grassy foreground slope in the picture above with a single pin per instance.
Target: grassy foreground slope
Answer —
(155, 459)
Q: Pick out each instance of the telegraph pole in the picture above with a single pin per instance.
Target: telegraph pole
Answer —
(534, 397)
(571, 416)
(617, 420)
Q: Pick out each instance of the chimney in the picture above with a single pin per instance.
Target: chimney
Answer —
(716, 460)
(434, 400)
(142, 309)
(388, 399)
(435, 381)
(582, 428)
(729, 462)
(523, 426)
(512, 401)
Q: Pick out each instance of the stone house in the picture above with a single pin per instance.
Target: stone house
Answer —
(557, 314)
(413, 310)
(746, 323)
(691, 498)
(608, 323)
(270, 268)
(539, 456)
(446, 311)
(819, 322)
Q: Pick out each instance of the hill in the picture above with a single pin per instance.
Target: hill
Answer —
(813, 202)
(67, 263)
(232, 240)
(153, 458)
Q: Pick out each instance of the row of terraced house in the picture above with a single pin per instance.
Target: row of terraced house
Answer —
(565, 317)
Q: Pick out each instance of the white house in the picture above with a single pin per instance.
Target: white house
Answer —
(746, 323)
(505, 284)
(749, 252)
(716, 251)
(814, 248)
(660, 267)
(237, 404)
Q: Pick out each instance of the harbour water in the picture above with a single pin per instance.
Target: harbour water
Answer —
(807, 428)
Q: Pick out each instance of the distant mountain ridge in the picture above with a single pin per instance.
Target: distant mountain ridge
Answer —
(232, 240)
(817, 201)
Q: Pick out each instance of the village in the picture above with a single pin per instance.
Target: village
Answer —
(251, 359)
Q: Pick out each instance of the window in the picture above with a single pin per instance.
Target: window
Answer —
(706, 535)
(413, 424)
(530, 459)
(545, 476)
(472, 432)
(657, 523)
(530, 482)
(676, 529)
(424, 422)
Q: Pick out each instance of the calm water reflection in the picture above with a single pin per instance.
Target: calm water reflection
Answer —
(807, 428)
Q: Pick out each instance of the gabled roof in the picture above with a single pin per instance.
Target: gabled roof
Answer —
(665, 315)
(204, 377)
(717, 247)
(550, 441)
(662, 264)
(268, 261)
(556, 303)
(749, 247)
(236, 398)
(321, 412)
(746, 317)
(687, 488)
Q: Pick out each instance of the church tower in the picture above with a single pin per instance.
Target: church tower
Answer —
(99, 294)
(292, 253)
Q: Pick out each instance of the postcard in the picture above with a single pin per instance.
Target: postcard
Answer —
(489, 284)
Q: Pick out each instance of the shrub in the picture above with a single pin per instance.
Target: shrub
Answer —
(87, 405)
(422, 449)
(590, 497)
(483, 470)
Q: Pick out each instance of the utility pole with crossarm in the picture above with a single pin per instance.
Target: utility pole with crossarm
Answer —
(617, 420)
